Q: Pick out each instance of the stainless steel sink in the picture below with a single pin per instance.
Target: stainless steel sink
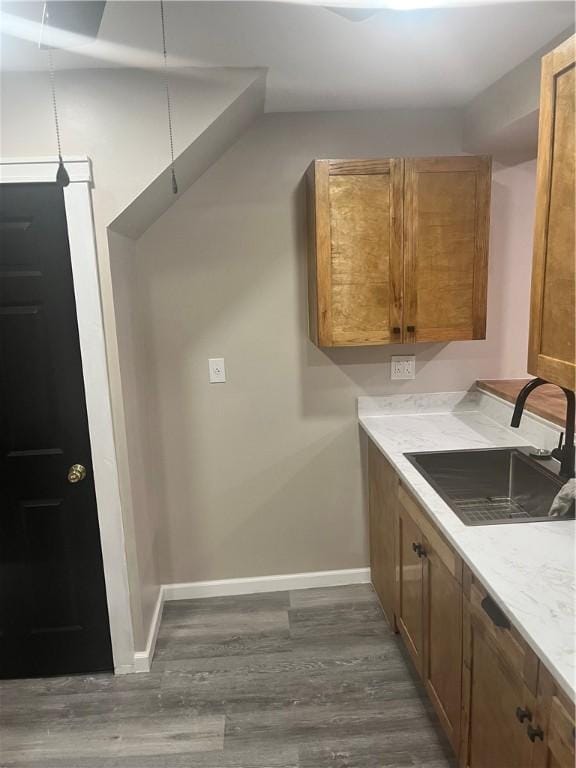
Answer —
(500, 485)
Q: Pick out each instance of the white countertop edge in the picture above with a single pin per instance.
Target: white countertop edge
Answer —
(569, 686)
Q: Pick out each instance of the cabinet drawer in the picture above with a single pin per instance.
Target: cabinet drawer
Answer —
(503, 636)
(443, 550)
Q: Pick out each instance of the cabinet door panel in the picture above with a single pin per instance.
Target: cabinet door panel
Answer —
(552, 351)
(409, 586)
(446, 219)
(555, 716)
(443, 643)
(383, 493)
(494, 690)
(357, 243)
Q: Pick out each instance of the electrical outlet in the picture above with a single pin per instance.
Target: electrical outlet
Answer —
(217, 370)
(403, 367)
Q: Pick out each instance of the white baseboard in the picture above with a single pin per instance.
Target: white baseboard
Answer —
(225, 587)
(257, 584)
(143, 659)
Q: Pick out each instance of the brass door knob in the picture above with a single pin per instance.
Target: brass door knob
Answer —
(76, 473)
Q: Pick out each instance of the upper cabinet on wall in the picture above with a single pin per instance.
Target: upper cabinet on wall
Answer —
(552, 353)
(398, 250)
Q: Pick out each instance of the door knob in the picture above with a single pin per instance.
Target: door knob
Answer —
(76, 473)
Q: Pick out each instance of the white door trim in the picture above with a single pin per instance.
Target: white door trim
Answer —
(78, 203)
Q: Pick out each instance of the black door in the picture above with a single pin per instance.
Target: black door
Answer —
(53, 612)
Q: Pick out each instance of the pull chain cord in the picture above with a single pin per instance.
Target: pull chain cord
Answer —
(168, 104)
(62, 177)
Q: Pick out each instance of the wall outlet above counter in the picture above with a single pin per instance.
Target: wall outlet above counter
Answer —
(402, 367)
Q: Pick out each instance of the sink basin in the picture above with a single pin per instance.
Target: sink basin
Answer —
(500, 485)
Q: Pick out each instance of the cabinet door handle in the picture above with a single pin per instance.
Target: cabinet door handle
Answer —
(411, 328)
(523, 714)
(419, 549)
(494, 613)
(396, 329)
(535, 733)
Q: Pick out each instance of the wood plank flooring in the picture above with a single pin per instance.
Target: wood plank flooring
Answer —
(303, 679)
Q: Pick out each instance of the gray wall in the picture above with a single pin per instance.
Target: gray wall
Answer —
(263, 475)
(116, 117)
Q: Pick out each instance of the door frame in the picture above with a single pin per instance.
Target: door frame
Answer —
(82, 240)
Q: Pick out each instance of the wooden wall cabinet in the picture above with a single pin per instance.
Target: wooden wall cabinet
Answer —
(398, 250)
(552, 345)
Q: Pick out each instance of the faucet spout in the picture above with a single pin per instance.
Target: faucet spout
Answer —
(565, 453)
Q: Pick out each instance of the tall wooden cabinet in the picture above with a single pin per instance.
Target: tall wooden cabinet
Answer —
(398, 250)
(552, 346)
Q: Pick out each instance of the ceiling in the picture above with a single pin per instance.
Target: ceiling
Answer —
(317, 59)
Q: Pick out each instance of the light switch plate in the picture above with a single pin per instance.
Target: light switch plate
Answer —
(217, 370)
(403, 367)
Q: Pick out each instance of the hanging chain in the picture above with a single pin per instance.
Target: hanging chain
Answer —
(54, 107)
(168, 104)
(61, 175)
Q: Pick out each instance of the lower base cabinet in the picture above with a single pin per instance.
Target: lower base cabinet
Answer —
(497, 703)
(554, 718)
(382, 495)
(443, 643)
(429, 610)
(409, 600)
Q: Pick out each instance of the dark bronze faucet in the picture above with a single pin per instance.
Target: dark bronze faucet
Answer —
(564, 453)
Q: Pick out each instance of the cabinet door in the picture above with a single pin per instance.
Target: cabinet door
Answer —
(553, 309)
(409, 585)
(446, 222)
(554, 722)
(355, 269)
(383, 493)
(493, 691)
(443, 642)
(557, 747)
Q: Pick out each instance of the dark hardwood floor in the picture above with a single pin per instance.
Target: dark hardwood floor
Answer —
(303, 679)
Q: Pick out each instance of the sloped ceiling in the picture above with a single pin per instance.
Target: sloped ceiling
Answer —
(318, 59)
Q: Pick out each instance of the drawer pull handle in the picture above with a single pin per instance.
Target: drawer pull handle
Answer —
(523, 714)
(535, 733)
(411, 328)
(396, 329)
(494, 613)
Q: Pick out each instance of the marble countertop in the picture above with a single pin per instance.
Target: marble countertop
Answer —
(527, 568)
